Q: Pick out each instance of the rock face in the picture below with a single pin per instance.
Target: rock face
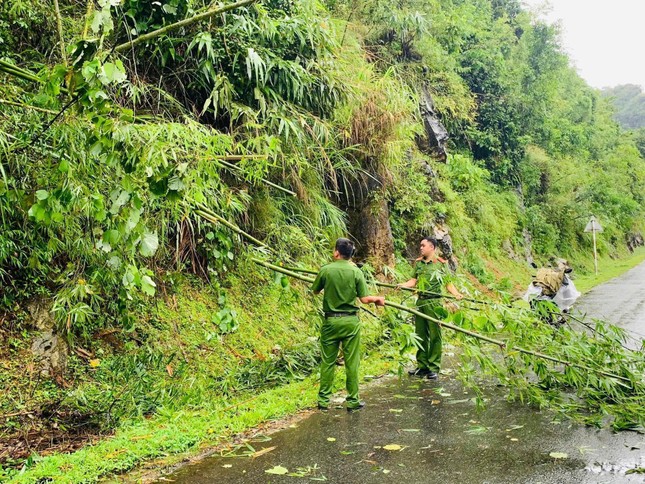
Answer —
(634, 240)
(49, 349)
(51, 352)
(434, 143)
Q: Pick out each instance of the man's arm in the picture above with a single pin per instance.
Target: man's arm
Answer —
(376, 300)
(411, 283)
(453, 290)
(319, 283)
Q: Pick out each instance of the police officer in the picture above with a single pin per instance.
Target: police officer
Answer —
(342, 283)
(430, 272)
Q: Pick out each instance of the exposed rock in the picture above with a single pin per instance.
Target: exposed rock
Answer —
(49, 349)
(41, 316)
(51, 352)
(434, 142)
(634, 240)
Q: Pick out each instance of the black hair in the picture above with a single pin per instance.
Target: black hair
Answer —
(432, 240)
(345, 248)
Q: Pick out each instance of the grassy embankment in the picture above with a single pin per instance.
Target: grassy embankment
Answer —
(608, 269)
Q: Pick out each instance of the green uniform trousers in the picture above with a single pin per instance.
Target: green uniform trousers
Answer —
(345, 329)
(429, 352)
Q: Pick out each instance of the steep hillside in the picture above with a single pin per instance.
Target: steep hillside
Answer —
(144, 146)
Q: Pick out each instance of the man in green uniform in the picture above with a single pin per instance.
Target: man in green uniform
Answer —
(430, 273)
(342, 283)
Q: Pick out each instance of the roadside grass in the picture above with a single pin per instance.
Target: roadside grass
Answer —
(609, 268)
(184, 431)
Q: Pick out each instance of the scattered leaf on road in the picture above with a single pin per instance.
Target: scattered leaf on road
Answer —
(279, 470)
(558, 455)
(392, 447)
(331, 439)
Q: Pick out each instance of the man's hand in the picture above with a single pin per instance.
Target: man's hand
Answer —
(452, 307)
(379, 301)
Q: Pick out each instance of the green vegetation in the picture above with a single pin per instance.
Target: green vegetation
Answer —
(111, 153)
(629, 101)
(608, 269)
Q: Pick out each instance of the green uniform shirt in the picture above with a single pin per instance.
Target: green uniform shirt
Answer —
(430, 276)
(342, 282)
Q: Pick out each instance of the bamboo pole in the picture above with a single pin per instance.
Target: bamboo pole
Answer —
(503, 345)
(231, 166)
(16, 71)
(394, 286)
(212, 217)
(28, 106)
(24, 74)
(182, 23)
(59, 24)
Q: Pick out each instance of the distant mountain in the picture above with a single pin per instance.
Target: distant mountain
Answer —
(629, 100)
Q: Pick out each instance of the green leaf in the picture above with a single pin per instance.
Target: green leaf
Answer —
(148, 285)
(278, 470)
(111, 237)
(42, 194)
(558, 455)
(63, 166)
(149, 244)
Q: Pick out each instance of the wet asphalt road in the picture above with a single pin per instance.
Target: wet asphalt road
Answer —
(440, 437)
(620, 301)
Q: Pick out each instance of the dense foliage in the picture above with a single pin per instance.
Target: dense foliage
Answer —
(629, 102)
(107, 147)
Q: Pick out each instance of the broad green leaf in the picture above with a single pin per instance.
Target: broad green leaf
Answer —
(148, 285)
(558, 455)
(149, 244)
(278, 470)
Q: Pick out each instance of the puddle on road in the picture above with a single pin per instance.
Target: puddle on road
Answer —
(416, 431)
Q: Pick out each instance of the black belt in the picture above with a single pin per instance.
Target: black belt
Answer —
(339, 315)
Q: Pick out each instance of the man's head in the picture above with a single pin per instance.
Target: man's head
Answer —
(344, 249)
(427, 246)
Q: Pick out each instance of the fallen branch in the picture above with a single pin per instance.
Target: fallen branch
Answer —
(394, 286)
(223, 162)
(27, 106)
(182, 23)
(213, 218)
(503, 345)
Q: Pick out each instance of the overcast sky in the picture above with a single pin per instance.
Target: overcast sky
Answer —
(604, 39)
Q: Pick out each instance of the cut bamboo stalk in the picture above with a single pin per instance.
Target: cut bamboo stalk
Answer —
(182, 23)
(267, 182)
(212, 217)
(59, 24)
(503, 345)
(27, 106)
(394, 286)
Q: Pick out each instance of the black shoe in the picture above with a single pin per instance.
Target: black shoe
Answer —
(431, 375)
(322, 408)
(354, 409)
(420, 372)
